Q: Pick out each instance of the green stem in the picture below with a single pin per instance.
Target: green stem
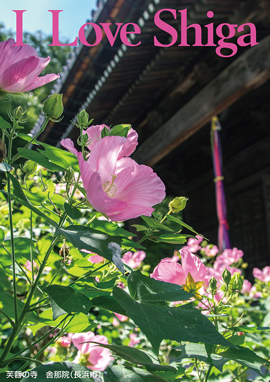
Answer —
(31, 246)
(7, 316)
(25, 310)
(239, 375)
(11, 229)
(49, 343)
(17, 156)
(34, 343)
(208, 373)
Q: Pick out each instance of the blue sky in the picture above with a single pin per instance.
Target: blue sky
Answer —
(37, 17)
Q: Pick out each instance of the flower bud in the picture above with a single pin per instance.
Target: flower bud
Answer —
(53, 106)
(69, 175)
(83, 119)
(226, 276)
(237, 281)
(213, 284)
(18, 113)
(178, 204)
(30, 167)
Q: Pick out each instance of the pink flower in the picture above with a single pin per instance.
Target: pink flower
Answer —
(121, 317)
(246, 287)
(175, 257)
(91, 355)
(193, 244)
(230, 256)
(133, 259)
(28, 265)
(20, 67)
(254, 293)
(94, 135)
(116, 185)
(192, 273)
(133, 340)
(210, 251)
(96, 259)
(64, 341)
(263, 275)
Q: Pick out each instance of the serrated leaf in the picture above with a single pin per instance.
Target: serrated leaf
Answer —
(184, 323)
(8, 307)
(66, 300)
(5, 167)
(147, 289)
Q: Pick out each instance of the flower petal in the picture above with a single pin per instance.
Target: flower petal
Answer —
(193, 265)
(170, 272)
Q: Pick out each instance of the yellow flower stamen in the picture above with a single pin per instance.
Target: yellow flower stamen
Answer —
(192, 286)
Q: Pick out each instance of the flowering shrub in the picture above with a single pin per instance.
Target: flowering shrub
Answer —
(76, 299)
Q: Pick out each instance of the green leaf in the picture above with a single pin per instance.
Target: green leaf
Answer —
(139, 227)
(107, 284)
(66, 300)
(105, 132)
(5, 167)
(8, 303)
(136, 356)
(147, 289)
(40, 159)
(245, 357)
(109, 303)
(199, 352)
(119, 373)
(87, 238)
(55, 155)
(73, 212)
(19, 196)
(249, 328)
(116, 256)
(153, 223)
(110, 228)
(78, 324)
(22, 245)
(37, 211)
(62, 367)
(4, 125)
(2, 235)
(180, 222)
(120, 130)
(173, 238)
(184, 323)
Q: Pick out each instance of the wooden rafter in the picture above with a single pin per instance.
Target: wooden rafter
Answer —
(249, 71)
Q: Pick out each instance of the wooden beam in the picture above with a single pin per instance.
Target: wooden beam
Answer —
(247, 72)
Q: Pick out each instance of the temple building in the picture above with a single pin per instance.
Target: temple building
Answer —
(169, 89)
